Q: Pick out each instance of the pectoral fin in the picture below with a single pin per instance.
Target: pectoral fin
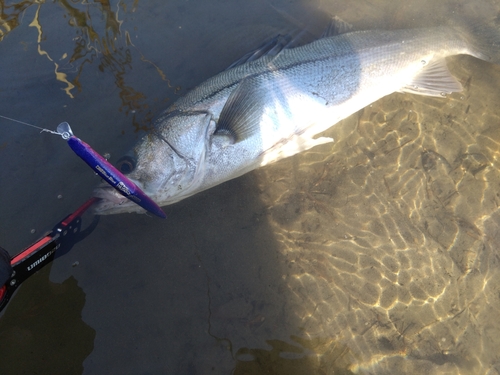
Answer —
(242, 114)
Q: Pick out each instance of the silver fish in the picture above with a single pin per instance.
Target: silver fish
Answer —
(272, 107)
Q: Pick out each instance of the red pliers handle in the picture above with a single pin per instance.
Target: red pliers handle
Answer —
(42, 252)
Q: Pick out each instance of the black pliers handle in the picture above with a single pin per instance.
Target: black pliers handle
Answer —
(64, 235)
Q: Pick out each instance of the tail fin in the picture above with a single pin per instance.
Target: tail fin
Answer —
(484, 39)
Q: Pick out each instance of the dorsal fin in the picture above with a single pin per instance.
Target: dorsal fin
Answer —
(337, 26)
(269, 48)
(241, 115)
(274, 46)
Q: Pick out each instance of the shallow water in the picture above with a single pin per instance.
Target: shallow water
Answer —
(374, 255)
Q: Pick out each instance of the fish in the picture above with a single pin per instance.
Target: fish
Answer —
(274, 102)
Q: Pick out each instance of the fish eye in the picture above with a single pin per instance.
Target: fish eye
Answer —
(126, 164)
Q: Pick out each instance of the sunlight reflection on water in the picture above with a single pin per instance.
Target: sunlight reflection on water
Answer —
(374, 254)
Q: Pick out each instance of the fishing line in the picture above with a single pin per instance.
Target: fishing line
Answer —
(33, 126)
(102, 167)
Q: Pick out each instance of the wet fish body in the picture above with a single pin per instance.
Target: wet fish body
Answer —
(264, 110)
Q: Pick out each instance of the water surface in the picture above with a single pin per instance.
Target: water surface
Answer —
(375, 254)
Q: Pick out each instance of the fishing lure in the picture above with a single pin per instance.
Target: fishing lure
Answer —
(108, 172)
(102, 167)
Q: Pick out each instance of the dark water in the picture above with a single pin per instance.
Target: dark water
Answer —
(376, 254)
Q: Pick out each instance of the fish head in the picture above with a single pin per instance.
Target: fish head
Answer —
(166, 164)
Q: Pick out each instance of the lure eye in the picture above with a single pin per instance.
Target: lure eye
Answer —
(126, 164)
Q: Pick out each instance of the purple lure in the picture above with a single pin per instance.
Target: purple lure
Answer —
(108, 172)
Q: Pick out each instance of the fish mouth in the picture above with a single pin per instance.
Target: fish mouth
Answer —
(112, 202)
